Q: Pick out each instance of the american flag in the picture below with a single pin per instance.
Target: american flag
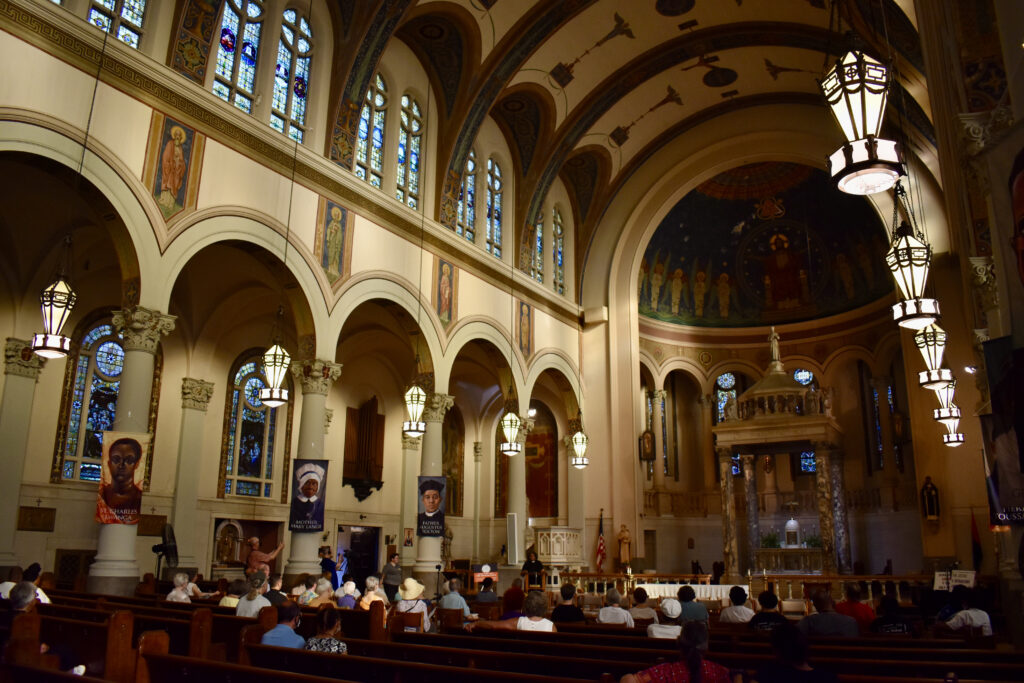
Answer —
(599, 560)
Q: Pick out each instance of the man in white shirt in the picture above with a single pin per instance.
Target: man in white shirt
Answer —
(971, 616)
(612, 612)
(738, 612)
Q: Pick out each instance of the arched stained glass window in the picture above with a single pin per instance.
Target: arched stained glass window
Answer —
(410, 137)
(250, 434)
(291, 76)
(122, 18)
(537, 260)
(465, 219)
(370, 140)
(803, 376)
(238, 53)
(558, 250)
(725, 389)
(494, 208)
(89, 404)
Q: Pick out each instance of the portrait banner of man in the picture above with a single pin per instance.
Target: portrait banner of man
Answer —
(430, 520)
(308, 489)
(119, 499)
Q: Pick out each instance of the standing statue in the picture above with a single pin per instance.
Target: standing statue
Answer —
(446, 546)
(773, 341)
(625, 541)
(930, 500)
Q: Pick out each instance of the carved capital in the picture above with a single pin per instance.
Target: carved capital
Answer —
(525, 428)
(142, 328)
(328, 416)
(411, 443)
(20, 360)
(983, 276)
(478, 450)
(195, 393)
(316, 375)
(658, 395)
(979, 130)
(724, 453)
(437, 406)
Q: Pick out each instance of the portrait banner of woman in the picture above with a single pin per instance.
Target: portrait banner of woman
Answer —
(309, 482)
(119, 499)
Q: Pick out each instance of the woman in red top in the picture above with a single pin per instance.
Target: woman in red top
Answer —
(692, 668)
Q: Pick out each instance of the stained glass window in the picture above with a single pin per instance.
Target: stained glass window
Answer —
(807, 463)
(370, 139)
(664, 438)
(238, 52)
(122, 18)
(250, 434)
(291, 76)
(558, 249)
(494, 208)
(725, 389)
(803, 376)
(879, 449)
(737, 469)
(465, 219)
(410, 137)
(537, 257)
(726, 380)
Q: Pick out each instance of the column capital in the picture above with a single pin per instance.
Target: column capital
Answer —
(142, 328)
(724, 453)
(658, 394)
(747, 458)
(20, 360)
(411, 443)
(526, 426)
(195, 393)
(328, 416)
(437, 406)
(478, 450)
(316, 375)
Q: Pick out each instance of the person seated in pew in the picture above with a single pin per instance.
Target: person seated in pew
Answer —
(236, 589)
(691, 665)
(612, 612)
(309, 592)
(826, 621)
(328, 628)
(486, 593)
(14, 576)
(669, 626)
(275, 595)
(970, 616)
(411, 602)
(534, 607)
(640, 608)
(194, 591)
(890, 619)
(253, 602)
(289, 616)
(512, 600)
(567, 611)
(853, 607)
(955, 603)
(22, 598)
(691, 609)
(453, 600)
(180, 591)
(348, 595)
(372, 594)
(349, 577)
(324, 594)
(737, 612)
(32, 574)
(769, 618)
(790, 648)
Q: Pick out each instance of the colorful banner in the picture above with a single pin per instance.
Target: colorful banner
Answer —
(1002, 433)
(308, 490)
(119, 499)
(430, 520)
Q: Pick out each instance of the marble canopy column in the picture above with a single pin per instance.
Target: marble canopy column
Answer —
(195, 398)
(837, 480)
(707, 445)
(21, 368)
(826, 512)
(771, 486)
(407, 508)
(115, 570)
(315, 376)
(730, 554)
(478, 456)
(659, 442)
(753, 517)
(428, 548)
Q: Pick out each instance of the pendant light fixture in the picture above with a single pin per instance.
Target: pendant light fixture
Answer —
(952, 437)
(931, 342)
(909, 258)
(580, 441)
(511, 423)
(947, 413)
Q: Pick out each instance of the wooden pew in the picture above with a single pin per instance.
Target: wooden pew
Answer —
(637, 656)
(104, 647)
(19, 673)
(355, 623)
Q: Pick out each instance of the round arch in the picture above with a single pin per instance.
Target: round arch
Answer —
(471, 329)
(732, 365)
(686, 366)
(559, 362)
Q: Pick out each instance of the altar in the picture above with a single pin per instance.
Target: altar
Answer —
(704, 591)
(788, 560)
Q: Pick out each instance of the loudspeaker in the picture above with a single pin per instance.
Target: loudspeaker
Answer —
(512, 535)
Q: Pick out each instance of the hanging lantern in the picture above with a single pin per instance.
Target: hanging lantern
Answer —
(275, 365)
(909, 259)
(510, 425)
(415, 400)
(579, 458)
(56, 302)
(931, 342)
(947, 413)
(856, 90)
(952, 437)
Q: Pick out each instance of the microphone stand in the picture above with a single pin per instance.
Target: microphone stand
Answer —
(437, 584)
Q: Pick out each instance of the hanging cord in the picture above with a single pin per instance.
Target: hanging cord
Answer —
(423, 231)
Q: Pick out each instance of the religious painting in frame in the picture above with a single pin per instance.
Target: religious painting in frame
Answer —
(445, 292)
(173, 164)
(524, 328)
(332, 245)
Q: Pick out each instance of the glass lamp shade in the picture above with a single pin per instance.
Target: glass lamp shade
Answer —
(931, 342)
(511, 448)
(273, 397)
(579, 461)
(510, 425)
(415, 400)
(56, 302)
(579, 458)
(868, 166)
(953, 438)
(935, 379)
(945, 394)
(948, 416)
(915, 314)
(856, 89)
(908, 259)
(275, 365)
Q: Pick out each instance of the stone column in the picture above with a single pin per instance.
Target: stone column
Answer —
(842, 524)
(826, 513)
(659, 446)
(478, 456)
(428, 548)
(115, 570)
(730, 552)
(771, 486)
(707, 446)
(517, 491)
(21, 366)
(316, 377)
(407, 508)
(195, 397)
(753, 516)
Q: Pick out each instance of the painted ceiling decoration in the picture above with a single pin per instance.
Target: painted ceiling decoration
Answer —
(763, 244)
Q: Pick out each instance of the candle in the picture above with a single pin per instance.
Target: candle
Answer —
(764, 573)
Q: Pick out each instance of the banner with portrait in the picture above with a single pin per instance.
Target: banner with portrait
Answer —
(1003, 432)
(122, 470)
(309, 480)
(430, 517)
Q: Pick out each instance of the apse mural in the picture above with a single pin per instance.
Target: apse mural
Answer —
(762, 244)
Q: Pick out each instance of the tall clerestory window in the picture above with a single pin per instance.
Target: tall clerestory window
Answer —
(250, 434)
(410, 139)
(494, 209)
(370, 140)
(537, 269)
(465, 218)
(558, 250)
(235, 74)
(291, 76)
(121, 18)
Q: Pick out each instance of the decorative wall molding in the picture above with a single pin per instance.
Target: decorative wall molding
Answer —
(196, 393)
(19, 359)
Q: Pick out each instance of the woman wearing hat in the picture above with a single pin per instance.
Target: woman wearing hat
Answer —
(411, 591)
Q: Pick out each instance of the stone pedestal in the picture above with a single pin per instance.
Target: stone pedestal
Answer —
(428, 548)
(195, 397)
